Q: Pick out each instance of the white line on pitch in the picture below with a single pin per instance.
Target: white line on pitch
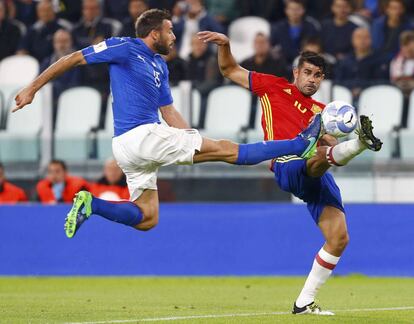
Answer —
(177, 318)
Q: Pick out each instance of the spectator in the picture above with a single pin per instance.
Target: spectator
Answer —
(402, 66)
(368, 9)
(387, 28)
(62, 45)
(25, 11)
(59, 186)
(116, 9)
(314, 44)
(223, 11)
(135, 9)
(262, 61)
(337, 31)
(91, 29)
(319, 9)
(190, 16)
(9, 193)
(162, 4)
(290, 32)
(271, 10)
(177, 67)
(112, 185)
(38, 40)
(363, 67)
(70, 10)
(9, 34)
(203, 71)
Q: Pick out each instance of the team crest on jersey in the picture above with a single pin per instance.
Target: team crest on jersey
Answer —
(316, 109)
(288, 91)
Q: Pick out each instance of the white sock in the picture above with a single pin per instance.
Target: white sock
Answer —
(322, 268)
(342, 153)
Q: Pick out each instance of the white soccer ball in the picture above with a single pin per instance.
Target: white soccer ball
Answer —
(339, 118)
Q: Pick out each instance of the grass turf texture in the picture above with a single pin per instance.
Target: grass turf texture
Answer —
(89, 299)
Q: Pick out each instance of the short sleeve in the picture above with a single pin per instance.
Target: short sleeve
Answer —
(260, 83)
(112, 50)
(165, 92)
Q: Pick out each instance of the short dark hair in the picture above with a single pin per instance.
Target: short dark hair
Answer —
(60, 162)
(312, 58)
(150, 20)
(1, 164)
(299, 2)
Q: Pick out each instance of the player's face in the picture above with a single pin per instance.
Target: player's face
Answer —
(308, 78)
(165, 38)
(55, 173)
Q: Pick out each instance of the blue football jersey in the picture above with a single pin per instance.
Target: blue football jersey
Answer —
(139, 80)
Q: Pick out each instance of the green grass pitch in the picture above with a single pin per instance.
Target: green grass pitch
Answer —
(356, 299)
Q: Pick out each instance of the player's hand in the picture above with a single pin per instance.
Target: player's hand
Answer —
(213, 37)
(23, 98)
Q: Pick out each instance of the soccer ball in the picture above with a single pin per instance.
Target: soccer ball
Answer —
(339, 118)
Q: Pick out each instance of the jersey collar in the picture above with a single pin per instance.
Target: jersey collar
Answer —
(144, 47)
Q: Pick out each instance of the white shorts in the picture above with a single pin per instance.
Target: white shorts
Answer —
(142, 150)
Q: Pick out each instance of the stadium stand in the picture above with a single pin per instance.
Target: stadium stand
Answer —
(242, 32)
(228, 110)
(375, 102)
(407, 134)
(77, 116)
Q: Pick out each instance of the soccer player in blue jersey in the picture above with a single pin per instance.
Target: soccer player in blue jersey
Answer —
(139, 84)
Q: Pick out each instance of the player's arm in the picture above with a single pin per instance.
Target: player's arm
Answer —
(173, 118)
(26, 95)
(229, 68)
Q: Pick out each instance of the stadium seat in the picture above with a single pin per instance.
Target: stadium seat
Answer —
(104, 136)
(15, 72)
(242, 32)
(407, 135)
(324, 94)
(18, 69)
(228, 110)
(342, 93)
(20, 139)
(77, 115)
(384, 105)
(256, 134)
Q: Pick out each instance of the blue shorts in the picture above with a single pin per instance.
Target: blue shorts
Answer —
(291, 176)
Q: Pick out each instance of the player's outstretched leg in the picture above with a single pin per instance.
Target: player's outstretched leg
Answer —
(344, 152)
(303, 145)
(84, 204)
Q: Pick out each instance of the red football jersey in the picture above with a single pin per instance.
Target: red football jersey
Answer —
(285, 110)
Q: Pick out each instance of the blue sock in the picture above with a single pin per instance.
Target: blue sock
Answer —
(254, 153)
(124, 212)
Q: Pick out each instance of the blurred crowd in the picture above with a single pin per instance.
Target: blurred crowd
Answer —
(59, 186)
(365, 42)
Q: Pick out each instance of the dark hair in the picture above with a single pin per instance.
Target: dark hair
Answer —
(312, 58)
(150, 20)
(60, 162)
(300, 2)
(314, 40)
(1, 164)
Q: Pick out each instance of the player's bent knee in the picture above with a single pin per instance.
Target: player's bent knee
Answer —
(149, 219)
(340, 241)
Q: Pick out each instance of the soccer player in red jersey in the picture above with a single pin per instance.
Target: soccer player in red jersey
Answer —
(287, 108)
